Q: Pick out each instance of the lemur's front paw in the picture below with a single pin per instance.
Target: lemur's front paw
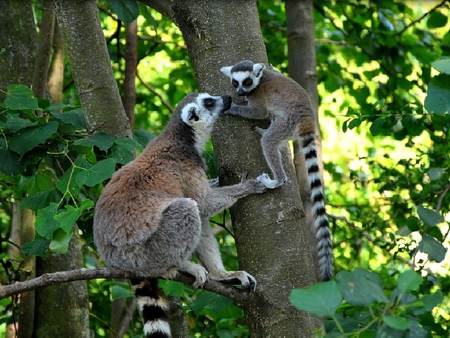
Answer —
(199, 272)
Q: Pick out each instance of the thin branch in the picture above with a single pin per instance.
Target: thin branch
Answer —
(48, 279)
(412, 23)
(153, 90)
(439, 203)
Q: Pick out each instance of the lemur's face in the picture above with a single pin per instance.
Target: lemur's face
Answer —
(244, 76)
(205, 109)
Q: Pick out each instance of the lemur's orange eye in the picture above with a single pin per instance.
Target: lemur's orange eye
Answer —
(248, 82)
(234, 83)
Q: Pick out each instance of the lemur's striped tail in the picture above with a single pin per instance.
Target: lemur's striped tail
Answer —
(323, 233)
(152, 307)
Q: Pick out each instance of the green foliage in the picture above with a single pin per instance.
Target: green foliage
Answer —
(361, 305)
(55, 167)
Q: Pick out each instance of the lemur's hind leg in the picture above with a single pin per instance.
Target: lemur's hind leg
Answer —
(209, 254)
(272, 139)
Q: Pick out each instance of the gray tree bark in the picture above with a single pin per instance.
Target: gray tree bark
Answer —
(302, 68)
(61, 303)
(271, 236)
(86, 48)
(18, 37)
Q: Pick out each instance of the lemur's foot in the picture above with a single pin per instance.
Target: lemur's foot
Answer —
(199, 272)
(247, 281)
(269, 183)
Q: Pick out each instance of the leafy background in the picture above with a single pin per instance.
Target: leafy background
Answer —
(384, 88)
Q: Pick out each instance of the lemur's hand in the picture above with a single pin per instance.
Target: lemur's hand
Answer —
(253, 185)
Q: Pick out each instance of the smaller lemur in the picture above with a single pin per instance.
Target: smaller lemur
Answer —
(273, 95)
(154, 213)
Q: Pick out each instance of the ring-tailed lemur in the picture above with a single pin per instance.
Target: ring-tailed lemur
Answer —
(154, 213)
(271, 94)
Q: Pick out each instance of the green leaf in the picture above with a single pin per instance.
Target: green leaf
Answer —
(442, 65)
(45, 221)
(354, 123)
(143, 137)
(40, 200)
(172, 288)
(38, 247)
(98, 173)
(377, 126)
(20, 97)
(101, 140)
(436, 173)
(119, 292)
(15, 123)
(11, 163)
(68, 217)
(74, 117)
(438, 95)
(396, 322)
(409, 280)
(322, 299)
(436, 20)
(28, 138)
(429, 216)
(431, 301)
(124, 148)
(435, 250)
(60, 241)
(211, 301)
(361, 287)
(126, 10)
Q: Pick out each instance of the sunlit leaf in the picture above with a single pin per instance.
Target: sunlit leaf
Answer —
(436, 20)
(409, 280)
(442, 65)
(435, 250)
(429, 216)
(438, 95)
(322, 299)
(361, 287)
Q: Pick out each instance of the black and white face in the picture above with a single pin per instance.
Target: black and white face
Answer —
(204, 110)
(244, 76)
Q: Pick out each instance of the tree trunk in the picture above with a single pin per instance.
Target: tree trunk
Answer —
(271, 237)
(84, 42)
(129, 83)
(61, 303)
(66, 312)
(18, 37)
(302, 68)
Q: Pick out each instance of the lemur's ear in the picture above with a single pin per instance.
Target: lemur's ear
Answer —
(258, 68)
(226, 70)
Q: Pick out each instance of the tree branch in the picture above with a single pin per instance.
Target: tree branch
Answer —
(48, 279)
(153, 90)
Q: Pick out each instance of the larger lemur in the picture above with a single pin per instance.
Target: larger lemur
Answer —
(273, 95)
(154, 213)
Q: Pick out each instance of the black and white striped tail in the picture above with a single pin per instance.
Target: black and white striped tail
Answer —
(323, 233)
(152, 307)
